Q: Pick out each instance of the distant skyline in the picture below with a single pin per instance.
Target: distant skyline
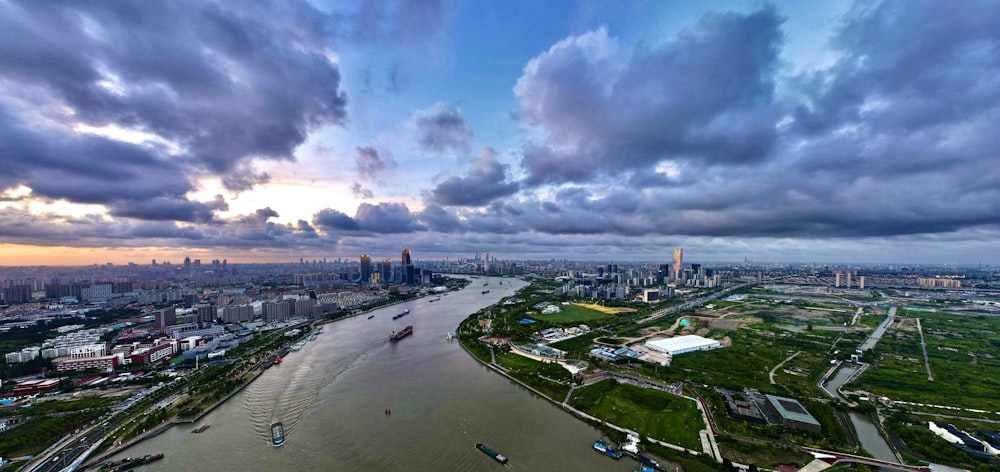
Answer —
(272, 130)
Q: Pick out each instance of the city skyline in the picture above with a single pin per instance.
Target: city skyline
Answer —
(786, 132)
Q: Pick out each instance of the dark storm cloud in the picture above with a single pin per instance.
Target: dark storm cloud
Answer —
(224, 86)
(485, 181)
(384, 218)
(370, 162)
(260, 216)
(895, 138)
(440, 219)
(92, 169)
(335, 220)
(162, 208)
(707, 95)
(244, 177)
(443, 129)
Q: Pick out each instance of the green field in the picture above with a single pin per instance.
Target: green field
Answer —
(573, 315)
(964, 353)
(652, 413)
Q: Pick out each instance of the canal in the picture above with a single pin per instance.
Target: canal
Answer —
(332, 397)
(868, 434)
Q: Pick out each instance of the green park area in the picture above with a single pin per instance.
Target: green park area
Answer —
(652, 413)
(551, 379)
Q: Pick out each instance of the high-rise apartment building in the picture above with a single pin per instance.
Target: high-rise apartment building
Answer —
(165, 317)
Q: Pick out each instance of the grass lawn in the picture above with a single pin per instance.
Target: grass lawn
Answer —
(652, 413)
(573, 314)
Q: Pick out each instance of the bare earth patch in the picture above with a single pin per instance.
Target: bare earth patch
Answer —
(610, 310)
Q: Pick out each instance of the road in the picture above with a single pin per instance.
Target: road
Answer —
(771, 373)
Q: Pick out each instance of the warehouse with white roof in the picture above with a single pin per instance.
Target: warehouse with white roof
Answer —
(682, 344)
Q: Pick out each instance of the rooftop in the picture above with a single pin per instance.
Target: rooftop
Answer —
(791, 409)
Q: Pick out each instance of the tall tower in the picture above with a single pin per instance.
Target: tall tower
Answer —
(848, 279)
(406, 257)
(366, 269)
(678, 262)
(836, 282)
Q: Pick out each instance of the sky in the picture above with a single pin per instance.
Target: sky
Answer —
(830, 131)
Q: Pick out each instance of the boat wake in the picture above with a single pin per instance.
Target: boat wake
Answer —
(284, 394)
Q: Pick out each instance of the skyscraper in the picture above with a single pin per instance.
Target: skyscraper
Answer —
(366, 269)
(678, 262)
(386, 270)
(406, 257)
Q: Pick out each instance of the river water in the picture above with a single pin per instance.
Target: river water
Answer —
(331, 397)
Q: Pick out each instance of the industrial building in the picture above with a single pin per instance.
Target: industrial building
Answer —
(682, 344)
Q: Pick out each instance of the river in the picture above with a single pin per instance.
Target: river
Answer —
(332, 395)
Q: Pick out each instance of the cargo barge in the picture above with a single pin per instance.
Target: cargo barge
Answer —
(397, 335)
(490, 452)
(396, 317)
(129, 462)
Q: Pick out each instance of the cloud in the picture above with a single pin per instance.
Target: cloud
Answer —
(386, 217)
(485, 181)
(370, 162)
(707, 96)
(443, 129)
(360, 191)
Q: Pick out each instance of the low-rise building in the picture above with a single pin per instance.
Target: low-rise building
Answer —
(682, 344)
(792, 413)
(106, 363)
